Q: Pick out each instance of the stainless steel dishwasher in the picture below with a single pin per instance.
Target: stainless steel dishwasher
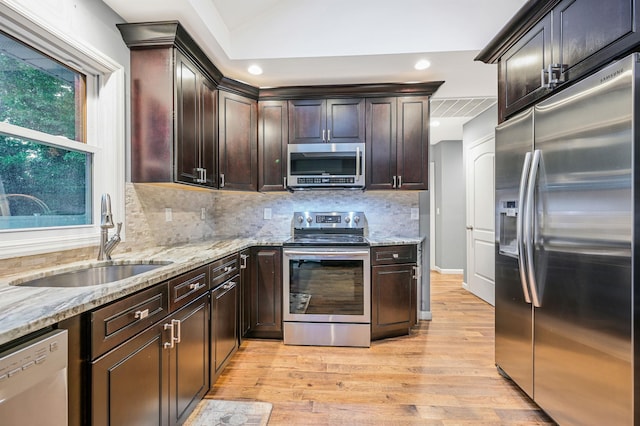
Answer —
(33, 382)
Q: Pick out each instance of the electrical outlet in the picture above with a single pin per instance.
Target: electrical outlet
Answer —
(415, 213)
(267, 213)
(203, 213)
(168, 216)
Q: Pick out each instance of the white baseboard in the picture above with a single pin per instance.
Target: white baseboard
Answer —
(424, 315)
(465, 286)
(448, 271)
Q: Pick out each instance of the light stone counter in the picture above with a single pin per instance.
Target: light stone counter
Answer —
(24, 310)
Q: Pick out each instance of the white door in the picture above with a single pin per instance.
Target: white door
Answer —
(480, 219)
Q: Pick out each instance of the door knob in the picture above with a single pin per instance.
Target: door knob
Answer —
(470, 228)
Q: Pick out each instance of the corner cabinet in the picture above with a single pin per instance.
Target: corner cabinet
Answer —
(173, 106)
(393, 290)
(238, 142)
(549, 44)
(397, 146)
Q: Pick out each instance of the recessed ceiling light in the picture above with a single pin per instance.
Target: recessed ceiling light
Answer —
(435, 123)
(255, 70)
(422, 64)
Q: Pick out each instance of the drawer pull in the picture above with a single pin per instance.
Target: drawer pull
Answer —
(229, 286)
(228, 268)
(141, 314)
(195, 286)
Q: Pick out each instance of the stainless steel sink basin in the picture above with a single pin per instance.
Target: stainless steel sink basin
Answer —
(93, 275)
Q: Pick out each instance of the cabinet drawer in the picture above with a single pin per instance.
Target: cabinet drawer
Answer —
(223, 269)
(393, 254)
(115, 323)
(187, 287)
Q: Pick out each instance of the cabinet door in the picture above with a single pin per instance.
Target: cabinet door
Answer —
(520, 81)
(583, 28)
(189, 359)
(224, 324)
(238, 142)
(307, 121)
(266, 293)
(273, 131)
(130, 384)
(381, 142)
(245, 292)
(413, 143)
(391, 300)
(345, 120)
(209, 132)
(187, 120)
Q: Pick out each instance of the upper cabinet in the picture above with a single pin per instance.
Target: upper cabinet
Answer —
(397, 147)
(238, 142)
(189, 123)
(548, 44)
(196, 130)
(273, 136)
(173, 106)
(326, 120)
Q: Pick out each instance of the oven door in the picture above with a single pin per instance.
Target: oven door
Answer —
(327, 285)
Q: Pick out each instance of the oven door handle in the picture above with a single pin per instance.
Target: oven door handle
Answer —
(316, 253)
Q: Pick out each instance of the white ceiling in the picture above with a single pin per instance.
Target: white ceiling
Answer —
(313, 42)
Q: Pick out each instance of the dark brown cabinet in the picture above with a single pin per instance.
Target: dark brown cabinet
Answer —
(224, 324)
(196, 130)
(273, 136)
(326, 120)
(238, 142)
(397, 148)
(522, 65)
(149, 354)
(549, 44)
(393, 290)
(173, 106)
(158, 376)
(266, 293)
(245, 294)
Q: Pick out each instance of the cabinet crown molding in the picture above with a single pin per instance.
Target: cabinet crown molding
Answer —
(530, 13)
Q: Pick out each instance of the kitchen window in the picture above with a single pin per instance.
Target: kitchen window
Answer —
(62, 136)
(45, 166)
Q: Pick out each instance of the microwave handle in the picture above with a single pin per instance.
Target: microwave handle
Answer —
(358, 163)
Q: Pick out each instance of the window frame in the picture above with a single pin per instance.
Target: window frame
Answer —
(105, 132)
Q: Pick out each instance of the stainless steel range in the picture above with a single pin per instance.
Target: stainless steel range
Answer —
(327, 280)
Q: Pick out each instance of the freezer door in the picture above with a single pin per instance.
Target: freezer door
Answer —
(583, 227)
(513, 312)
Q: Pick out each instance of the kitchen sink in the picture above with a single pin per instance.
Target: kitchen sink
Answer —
(93, 275)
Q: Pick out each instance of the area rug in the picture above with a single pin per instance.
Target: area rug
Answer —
(213, 412)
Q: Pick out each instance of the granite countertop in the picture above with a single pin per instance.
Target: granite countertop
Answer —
(27, 309)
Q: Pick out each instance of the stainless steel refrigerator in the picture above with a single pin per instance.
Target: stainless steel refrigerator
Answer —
(566, 234)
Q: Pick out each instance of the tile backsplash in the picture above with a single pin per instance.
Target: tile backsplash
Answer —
(242, 214)
(232, 214)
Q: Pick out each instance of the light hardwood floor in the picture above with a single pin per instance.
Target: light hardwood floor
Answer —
(442, 374)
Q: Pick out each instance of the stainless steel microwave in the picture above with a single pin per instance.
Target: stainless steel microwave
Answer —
(325, 165)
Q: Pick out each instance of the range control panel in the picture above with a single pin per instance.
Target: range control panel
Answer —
(320, 220)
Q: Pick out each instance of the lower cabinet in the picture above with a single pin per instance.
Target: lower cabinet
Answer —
(158, 376)
(224, 325)
(265, 292)
(393, 290)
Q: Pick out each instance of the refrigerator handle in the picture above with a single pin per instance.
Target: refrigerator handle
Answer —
(519, 226)
(528, 227)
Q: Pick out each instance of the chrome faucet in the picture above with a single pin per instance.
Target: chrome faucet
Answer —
(106, 222)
